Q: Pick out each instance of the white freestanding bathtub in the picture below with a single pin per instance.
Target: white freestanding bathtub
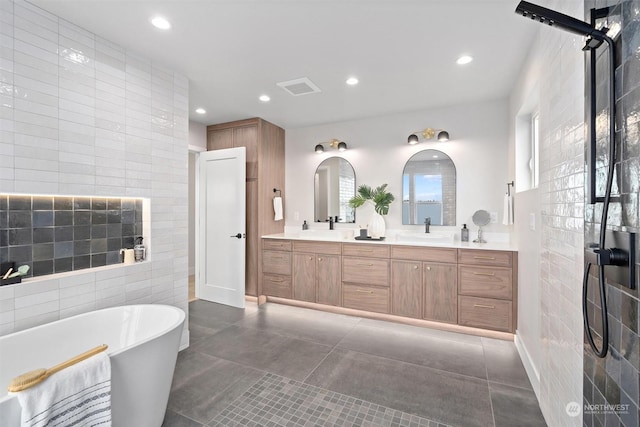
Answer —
(143, 345)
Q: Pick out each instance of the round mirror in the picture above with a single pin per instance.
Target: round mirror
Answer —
(429, 189)
(481, 218)
(334, 185)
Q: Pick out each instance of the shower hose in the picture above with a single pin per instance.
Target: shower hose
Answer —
(602, 352)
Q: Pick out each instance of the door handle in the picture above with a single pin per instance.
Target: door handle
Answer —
(238, 236)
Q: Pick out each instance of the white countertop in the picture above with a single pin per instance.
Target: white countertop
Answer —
(409, 239)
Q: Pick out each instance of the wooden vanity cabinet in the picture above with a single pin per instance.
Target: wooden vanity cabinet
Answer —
(487, 289)
(264, 143)
(440, 292)
(424, 283)
(365, 277)
(316, 272)
(276, 268)
(467, 287)
(406, 288)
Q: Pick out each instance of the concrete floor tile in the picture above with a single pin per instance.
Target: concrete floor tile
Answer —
(429, 393)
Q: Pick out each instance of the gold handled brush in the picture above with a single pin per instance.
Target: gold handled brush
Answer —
(29, 379)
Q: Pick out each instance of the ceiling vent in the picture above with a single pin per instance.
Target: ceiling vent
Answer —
(297, 87)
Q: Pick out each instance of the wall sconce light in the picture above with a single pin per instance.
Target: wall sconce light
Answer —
(334, 143)
(427, 134)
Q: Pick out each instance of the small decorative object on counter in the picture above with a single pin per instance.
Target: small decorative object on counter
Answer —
(9, 276)
(381, 199)
(464, 233)
(139, 250)
(305, 226)
(363, 233)
(127, 256)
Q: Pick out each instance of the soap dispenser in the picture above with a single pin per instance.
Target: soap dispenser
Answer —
(139, 250)
(305, 226)
(464, 233)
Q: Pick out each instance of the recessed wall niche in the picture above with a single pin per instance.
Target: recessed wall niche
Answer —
(54, 234)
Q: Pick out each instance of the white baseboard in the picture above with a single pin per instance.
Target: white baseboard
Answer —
(184, 342)
(529, 366)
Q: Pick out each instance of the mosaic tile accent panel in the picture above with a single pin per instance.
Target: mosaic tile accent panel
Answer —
(277, 401)
(54, 234)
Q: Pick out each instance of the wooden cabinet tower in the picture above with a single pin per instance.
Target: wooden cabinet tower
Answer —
(264, 142)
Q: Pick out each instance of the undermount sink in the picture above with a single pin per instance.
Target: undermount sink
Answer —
(425, 238)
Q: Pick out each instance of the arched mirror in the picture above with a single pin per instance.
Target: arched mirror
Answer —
(334, 184)
(429, 189)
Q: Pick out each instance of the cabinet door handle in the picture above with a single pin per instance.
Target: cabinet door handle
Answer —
(277, 280)
(365, 264)
(484, 306)
(319, 259)
(484, 274)
(363, 291)
(310, 258)
(277, 257)
(415, 267)
(484, 257)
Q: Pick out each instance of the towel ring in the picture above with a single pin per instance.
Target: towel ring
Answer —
(275, 190)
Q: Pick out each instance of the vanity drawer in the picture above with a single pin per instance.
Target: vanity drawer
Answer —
(328, 248)
(370, 271)
(480, 257)
(420, 253)
(491, 282)
(485, 313)
(276, 285)
(276, 245)
(276, 262)
(369, 298)
(365, 250)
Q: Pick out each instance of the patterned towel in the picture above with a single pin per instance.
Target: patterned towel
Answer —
(79, 395)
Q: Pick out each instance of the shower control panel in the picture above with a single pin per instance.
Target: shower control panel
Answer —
(618, 257)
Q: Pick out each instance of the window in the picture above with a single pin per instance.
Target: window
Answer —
(534, 163)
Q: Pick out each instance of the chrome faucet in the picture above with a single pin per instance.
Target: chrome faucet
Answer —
(427, 223)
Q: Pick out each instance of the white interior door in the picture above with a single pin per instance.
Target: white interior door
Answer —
(220, 269)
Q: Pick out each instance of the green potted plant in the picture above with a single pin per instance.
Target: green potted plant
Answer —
(380, 198)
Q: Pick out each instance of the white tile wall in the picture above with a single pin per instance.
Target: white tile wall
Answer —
(562, 203)
(80, 115)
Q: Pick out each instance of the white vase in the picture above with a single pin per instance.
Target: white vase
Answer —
(377, 226)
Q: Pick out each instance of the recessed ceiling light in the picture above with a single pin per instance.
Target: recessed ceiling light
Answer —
(464, 59)
(264, 98)
(352, 81)
(201, 110)
(160, 22)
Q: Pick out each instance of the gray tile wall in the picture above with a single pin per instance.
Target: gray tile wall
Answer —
(54, 234)
(615, 380)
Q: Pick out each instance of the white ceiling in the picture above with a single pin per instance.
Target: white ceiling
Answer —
(403, 52)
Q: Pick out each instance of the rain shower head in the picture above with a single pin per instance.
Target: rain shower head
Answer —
(559, 20)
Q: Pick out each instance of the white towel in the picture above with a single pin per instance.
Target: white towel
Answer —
(79, 395)
(277, 208)
(507, 217)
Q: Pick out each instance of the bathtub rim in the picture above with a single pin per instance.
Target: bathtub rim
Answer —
(181, 319)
